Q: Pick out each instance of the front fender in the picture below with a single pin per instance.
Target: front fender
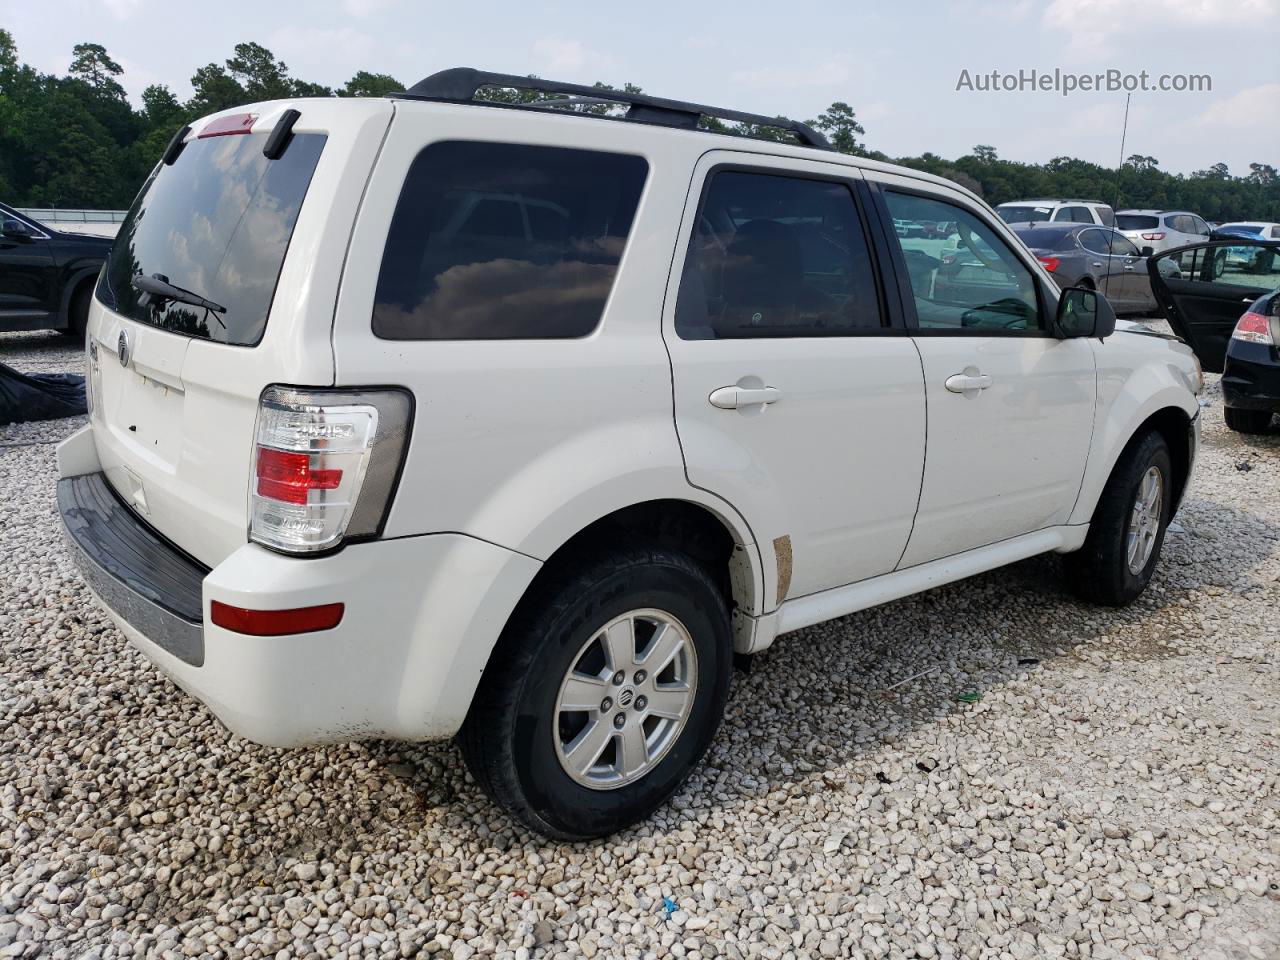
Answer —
(1135, 382)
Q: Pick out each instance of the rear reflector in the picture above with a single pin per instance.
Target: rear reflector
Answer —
(227, 126)
(1253, 328)
(275, 623)
(1050, 263)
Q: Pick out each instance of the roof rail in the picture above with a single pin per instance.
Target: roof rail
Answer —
(460, 85)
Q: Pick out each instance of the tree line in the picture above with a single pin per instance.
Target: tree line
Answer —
(76, 141)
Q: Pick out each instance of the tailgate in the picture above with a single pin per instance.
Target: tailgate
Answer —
(222, 281)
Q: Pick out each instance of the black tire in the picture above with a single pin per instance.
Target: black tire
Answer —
(1247, 421)
(78, 311)
(1099, 571)
(509, 737)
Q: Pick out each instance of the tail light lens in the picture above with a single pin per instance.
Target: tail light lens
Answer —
(1050, 263)
(1254, 328)
(326, 465)
(1153, 236)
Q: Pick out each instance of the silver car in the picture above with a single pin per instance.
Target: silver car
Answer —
(1162, 229)
(1080, 255)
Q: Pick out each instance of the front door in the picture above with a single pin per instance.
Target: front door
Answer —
(1205, 288)
(1010, 406)
(796, 400)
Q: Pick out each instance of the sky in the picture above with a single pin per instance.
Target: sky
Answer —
(897, 64)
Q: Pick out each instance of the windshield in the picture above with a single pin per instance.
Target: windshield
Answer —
(1016, 214)
(1134, 221)
(215, 225)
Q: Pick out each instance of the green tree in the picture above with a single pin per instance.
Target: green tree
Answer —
(259, 73)
(215, 90)
(841, 126)
(91, 63)
(366, 84)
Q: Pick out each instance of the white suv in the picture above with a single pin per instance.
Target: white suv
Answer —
(1057, 211)
(424, 416)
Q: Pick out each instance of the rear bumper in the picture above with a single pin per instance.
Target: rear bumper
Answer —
(422, 614)
(1251, 378)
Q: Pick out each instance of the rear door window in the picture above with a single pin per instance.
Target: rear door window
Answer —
(777, 256)
(1136, 221)
(217, 224)
(494, 241)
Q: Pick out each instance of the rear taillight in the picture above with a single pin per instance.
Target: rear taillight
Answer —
(1050, 263)
(325, 465)
(1254, 328)
(1153, 236)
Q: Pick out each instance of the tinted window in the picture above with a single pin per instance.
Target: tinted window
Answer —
(972, 281)
(1048, 238)
(1121, 246)
(1095, 241)
(1249, 266)
(1136, 221)
(505, 241)
(216, 223)
(1020, 214)
(1106, 214)
(776, 256)
(1081, 215)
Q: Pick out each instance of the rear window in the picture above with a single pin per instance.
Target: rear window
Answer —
(1050, 239)
(495, 241)
(1134, 221)
(1019, 214)
(217, 224)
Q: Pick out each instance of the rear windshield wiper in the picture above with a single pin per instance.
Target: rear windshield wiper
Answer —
(158, 286)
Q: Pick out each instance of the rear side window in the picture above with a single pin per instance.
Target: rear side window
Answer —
(1095, 241)
(1106, 215)
(777, 256)
(216, 224)
(494, 241)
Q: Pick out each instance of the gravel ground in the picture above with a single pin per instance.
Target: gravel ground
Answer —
(987, 770)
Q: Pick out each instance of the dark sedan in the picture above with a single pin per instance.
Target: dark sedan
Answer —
(1100, 258)
(1225, 302)
(46, 275)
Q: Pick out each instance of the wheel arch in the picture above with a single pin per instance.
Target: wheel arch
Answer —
(76, 281)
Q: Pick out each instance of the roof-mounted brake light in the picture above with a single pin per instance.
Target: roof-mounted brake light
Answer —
(229, 126)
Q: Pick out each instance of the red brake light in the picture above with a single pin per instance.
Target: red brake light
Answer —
(288, 477)
(1253, 328)
(1153, 236)
(276, 623)
(1050, 263)
(227, 126)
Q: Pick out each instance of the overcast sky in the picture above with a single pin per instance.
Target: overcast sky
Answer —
(896, 63)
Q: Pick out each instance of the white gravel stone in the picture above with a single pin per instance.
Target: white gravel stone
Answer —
(1112, 794)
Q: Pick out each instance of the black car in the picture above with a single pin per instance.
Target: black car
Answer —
(46, 275)
(1225, 303)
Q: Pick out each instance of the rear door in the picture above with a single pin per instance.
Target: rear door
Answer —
(1010, 406)
(26, 276)
(1204, 288)
(248, 251)
(797, 398)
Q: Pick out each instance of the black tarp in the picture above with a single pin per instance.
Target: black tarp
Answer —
(39, 396)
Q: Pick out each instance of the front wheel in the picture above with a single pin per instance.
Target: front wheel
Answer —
(603, 693)
(1247, 421)
(1127, 531)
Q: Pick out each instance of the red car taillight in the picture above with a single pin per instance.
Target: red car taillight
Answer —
(1153, 236)
(1254, 328)
(1050, 263)
(326, 465)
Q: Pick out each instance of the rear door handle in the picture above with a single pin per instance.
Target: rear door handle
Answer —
(964, 382)
(731, 398)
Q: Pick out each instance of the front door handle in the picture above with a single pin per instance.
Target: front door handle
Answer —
(965, 382)
(731, 398)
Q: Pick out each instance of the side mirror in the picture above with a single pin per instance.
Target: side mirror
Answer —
(16, 230)
(1148, 251)
(1084, 313)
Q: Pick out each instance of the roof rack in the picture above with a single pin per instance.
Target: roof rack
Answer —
(460, 85)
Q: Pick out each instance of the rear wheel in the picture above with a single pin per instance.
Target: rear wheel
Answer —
(1127, 531)
(602, 694)
(1247, 421)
